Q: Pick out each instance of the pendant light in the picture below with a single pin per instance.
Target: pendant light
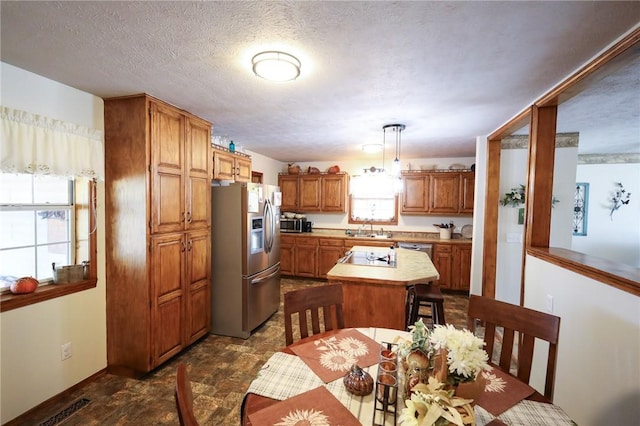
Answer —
(397, 129)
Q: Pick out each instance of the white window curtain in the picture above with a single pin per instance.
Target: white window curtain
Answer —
(39, 145)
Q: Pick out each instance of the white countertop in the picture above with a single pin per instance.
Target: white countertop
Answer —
(412, 267)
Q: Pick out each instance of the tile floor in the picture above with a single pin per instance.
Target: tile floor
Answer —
(220, 369)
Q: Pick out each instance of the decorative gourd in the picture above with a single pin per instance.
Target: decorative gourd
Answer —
(333, 169)
(358, 382)
(24, 285)
(293, 169)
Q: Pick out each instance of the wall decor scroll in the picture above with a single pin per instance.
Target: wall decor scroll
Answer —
(580, 208)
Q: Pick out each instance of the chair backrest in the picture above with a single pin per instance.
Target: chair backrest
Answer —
(327, 298)
(184, 397)
(528, 323)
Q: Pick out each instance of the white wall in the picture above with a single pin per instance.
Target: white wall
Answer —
(513, 173)
(30, 367)
(267, 166)
(478, 215)
(598, 368)
(618, 237)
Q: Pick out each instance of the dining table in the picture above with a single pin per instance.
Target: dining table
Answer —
(296, 379)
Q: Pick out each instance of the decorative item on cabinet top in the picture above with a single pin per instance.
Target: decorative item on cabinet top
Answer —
(225, 149)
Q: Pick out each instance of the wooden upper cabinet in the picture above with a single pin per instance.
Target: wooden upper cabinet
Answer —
(325, 192)
(198, 174)
(309, 193)
(243, 169)
(167, 168)
(467, 188)
(230, 166)
(334, 193)
(415, 194)
(438, 193)
(444, 193)
(289, 187)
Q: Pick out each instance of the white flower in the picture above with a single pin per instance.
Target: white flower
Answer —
(354, 346)
(337, 360)
(307, 417)
(494, 383)
(465, 354)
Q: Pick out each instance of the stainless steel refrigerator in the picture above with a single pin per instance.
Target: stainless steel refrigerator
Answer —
(245, 257)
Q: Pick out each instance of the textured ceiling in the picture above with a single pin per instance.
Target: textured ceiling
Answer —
(448, 70)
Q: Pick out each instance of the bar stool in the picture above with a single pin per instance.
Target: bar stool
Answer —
(425, 296)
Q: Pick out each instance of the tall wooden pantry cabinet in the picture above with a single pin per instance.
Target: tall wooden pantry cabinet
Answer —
(158, 266)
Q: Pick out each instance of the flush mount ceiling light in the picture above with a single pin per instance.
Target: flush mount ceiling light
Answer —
(397, 129)
(276, 66)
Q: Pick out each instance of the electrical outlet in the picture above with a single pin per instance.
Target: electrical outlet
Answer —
(549, 303)
(65, 351)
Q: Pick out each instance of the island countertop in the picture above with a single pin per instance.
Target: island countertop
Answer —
(412, 267)
(376, 296)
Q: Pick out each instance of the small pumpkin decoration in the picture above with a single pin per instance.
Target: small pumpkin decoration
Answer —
(358, 382)
(24, 285)
(333, 169)
(313, 171)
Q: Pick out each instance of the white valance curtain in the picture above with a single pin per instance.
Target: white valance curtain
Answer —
(35, 144)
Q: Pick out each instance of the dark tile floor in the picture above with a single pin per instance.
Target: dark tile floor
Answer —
(220, 369)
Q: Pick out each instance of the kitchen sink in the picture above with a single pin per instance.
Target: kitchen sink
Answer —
(376, 236)
(367, 258)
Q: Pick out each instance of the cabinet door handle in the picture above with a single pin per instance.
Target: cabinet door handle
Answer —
(184, 247)
(190, 245)
(238, 171)
(189, 218)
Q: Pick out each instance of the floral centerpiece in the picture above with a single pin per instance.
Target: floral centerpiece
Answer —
(514, 198)
(454, 359)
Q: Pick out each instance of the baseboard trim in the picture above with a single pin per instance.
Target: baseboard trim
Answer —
(22, 418)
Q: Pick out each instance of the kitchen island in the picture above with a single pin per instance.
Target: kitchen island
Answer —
(375, 296)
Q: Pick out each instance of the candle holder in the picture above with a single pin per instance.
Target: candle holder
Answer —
(386, 389)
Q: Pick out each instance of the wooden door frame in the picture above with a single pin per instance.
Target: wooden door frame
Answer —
(541, 117)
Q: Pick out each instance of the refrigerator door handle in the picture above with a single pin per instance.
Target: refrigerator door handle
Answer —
(268, 219)
(265, 278)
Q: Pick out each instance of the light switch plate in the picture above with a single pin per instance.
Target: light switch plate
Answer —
(514, 237)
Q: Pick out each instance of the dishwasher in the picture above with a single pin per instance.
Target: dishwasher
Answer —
(426, 248)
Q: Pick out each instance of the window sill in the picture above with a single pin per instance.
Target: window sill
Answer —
(621, 276)
(10, 301)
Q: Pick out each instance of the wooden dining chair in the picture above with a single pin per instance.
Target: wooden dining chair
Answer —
(184, 397)
(326, 299)
(528, 324)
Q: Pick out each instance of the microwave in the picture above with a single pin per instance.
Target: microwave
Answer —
(295, 225)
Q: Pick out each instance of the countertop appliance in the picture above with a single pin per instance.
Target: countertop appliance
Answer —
(427, 248)
(295, 225)
(245, 257)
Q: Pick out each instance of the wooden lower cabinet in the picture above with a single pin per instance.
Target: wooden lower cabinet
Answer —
(453, 262)
(443, 261)
(287, 257)
(180, 265)
(330, 250)
(461, 279)
(306, 257)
